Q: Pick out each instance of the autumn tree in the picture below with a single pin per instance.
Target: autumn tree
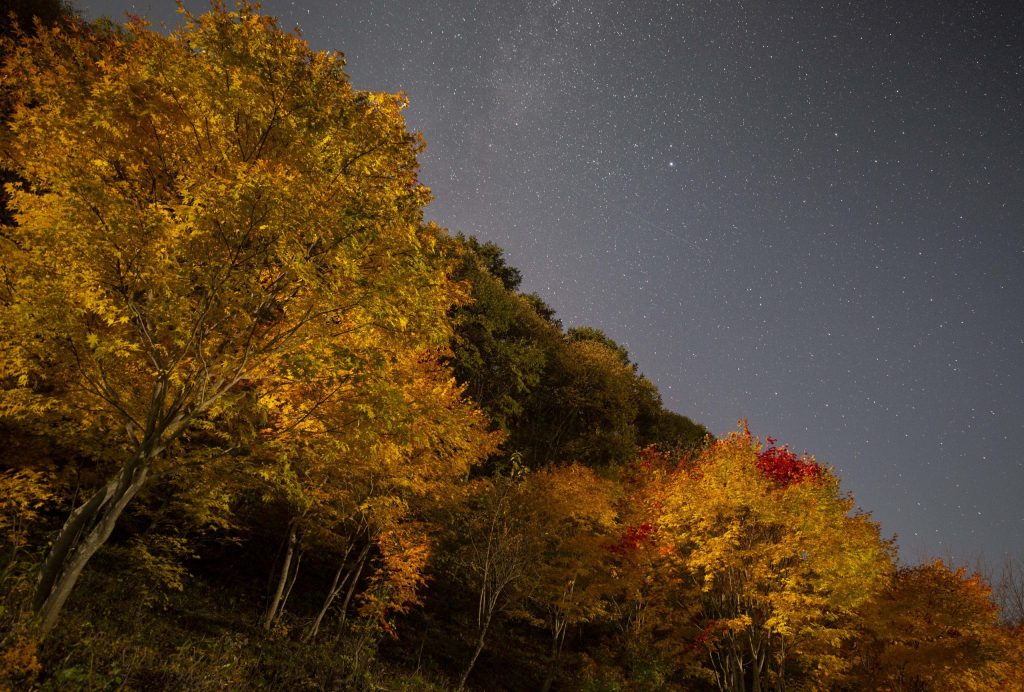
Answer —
(489, 550)
(207, 217)
(650, 608)
(527, 545)
(935, 628)
(572, 517)
(766, 546)
(412, 437)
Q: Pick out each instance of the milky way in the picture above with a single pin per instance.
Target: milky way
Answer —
(809, 217)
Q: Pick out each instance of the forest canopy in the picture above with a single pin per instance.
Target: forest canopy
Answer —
(266, 427)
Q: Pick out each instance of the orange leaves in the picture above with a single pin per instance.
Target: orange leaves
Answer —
(937, 628)
(396, 585)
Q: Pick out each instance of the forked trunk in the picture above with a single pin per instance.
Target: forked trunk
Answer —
(84, 532)
(557, 640)
(352, 585)
(336, 588)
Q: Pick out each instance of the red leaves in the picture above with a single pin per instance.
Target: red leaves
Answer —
(784, 467)
(633, 537)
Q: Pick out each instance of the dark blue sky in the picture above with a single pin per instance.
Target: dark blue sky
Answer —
(808, 216)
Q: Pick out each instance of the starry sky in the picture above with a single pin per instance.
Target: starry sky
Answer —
(807, 215)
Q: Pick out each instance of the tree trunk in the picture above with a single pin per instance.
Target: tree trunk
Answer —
(476, 653)
(84, 532)
(332, 593)
(355, 579)
(337, 584)
(780, 680)
(758, 655)
(556, 652)
(291, 583)
(274, 606)
(559, 626)
(90, 525)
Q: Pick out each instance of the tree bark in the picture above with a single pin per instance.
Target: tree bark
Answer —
(274, 606)
(337, 584)
(355, 579)
(556, 652)
(85, 531)
(291, 583)
(91, 523)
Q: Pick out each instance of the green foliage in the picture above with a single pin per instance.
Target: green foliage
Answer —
(559, 396)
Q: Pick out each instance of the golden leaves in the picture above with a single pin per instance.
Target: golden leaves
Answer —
(221, 244)
(23, 494)
(783, 563)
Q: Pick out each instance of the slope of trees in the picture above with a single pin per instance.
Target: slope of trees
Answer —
(265, 428)
(557, 395)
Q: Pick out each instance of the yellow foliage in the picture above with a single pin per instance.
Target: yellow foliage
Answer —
(777, 568)
(219, 244)
(23, 493)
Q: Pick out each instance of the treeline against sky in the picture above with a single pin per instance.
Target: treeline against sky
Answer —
(265, 427)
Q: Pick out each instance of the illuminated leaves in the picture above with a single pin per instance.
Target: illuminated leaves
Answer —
(784, 467)
(23, 494)
(776, 562)
(935, 628)
(220, 242)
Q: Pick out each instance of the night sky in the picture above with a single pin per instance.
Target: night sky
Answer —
(808, 216)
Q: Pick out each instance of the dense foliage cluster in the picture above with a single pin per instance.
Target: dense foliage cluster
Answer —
(784, 467)
(264, 427)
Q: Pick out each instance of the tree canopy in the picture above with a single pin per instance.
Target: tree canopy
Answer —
(207, 219)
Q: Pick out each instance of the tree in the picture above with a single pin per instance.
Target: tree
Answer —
(934, 628)
(1009, 591)
(207, 217)
(652, 607)
(526, 544)
(500, 345)
(413, 437)
(774, 559)
(492, 555)
(558, 396)
(571, 518)
(599, 402)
